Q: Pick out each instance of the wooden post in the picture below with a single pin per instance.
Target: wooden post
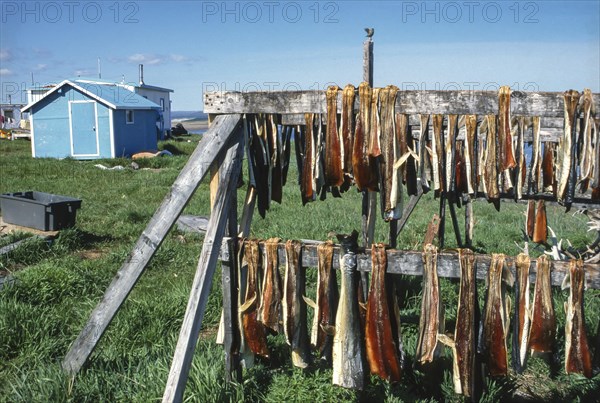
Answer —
(182, 190)
(412, 203)
(369, 199)
(229, 280)
(468, 221)
(207, 262)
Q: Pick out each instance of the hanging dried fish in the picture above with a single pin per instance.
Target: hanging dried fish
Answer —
(496, 318)
(245, 352)
(567, 150)
(424, 160)
(318, 161)
(349, 368)
(578, 358)
(530, 220)
(348, 95)
(450, 156)
(261, 160)
(549, 181)
(327, 301)
(375, 132)
(382, 334)
(431, 321)
(363, 165)
(276, 173)
(522, 314)
(307, 185)
(334, 175)
(463, 344)
(269, 310)
(505, 143)
(255, 333)
(299, 147)
(286, 152)
(469, 153)
(586, 141)
(389, 173)
(521, 167)
(460, 171)
(295, 325)
(407, 157)
(543, 320)
(436, 148)
(490, 177)
(535, 176)
(540, 231)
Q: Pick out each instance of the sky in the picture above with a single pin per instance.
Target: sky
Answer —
(197, 46)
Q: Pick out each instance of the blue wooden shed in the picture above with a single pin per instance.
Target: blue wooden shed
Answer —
(88, 121)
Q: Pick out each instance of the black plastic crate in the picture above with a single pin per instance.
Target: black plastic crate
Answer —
(43, 211)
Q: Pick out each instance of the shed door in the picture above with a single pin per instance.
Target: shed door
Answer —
(84, 134)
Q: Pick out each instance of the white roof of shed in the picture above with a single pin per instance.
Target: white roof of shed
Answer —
(111, 95)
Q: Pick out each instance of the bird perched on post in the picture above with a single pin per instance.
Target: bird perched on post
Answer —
(370, 32)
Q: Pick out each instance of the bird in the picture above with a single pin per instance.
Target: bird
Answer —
(370, 32)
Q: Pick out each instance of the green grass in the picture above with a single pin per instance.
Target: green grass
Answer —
(58, 285)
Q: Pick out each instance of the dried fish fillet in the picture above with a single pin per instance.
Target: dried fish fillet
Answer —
(382, 324)
(349, 368)
(578, 358)
(432, 315)
(543, 321)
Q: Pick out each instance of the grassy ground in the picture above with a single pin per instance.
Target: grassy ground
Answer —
(57, 286)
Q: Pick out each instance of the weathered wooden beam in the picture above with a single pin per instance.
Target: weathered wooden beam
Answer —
(190, 329)
(580, 203)
(369, 198)
(173, 204)
(465, 102)
(229, 283)
(411, 263)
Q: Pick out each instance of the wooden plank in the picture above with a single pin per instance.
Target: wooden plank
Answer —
(369, 199)
(229, 283)
(12, 246)
(411, 263)
(412, 203)
(173, 204)
(463, 102)
(207, 262)
(192, 223)
(580, 203)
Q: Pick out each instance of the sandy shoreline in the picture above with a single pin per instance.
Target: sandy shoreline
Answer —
(196, 126)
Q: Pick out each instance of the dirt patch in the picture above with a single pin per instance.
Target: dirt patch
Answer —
(91, 254)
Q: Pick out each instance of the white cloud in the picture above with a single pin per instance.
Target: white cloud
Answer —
(146, 59)
(179, 58)
(5, 72)
(40, 67)
(5, 55)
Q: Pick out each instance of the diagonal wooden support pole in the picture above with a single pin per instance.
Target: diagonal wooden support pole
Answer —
(182, 190)
(207, 263)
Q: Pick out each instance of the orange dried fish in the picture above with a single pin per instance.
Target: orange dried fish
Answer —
(382, 328)
(540, 231)
(578, 358)
(543, 321)
(255, 333)
(334, 176)
(363, 165)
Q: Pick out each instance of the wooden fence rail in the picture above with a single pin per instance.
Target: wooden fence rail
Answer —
(411, 263)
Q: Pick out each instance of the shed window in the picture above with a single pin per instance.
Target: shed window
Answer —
(8, 114)
(162, 104)
(129, 116)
